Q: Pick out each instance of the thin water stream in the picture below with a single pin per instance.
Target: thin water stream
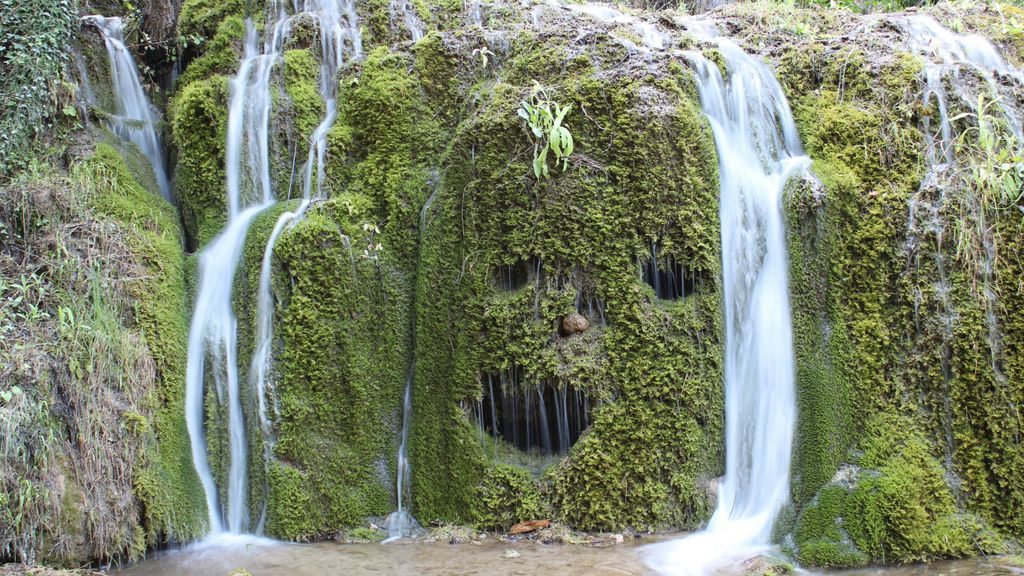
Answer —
(134, 119)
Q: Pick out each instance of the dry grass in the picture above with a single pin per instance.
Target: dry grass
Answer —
(71, 436)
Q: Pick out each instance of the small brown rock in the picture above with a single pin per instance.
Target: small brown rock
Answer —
(574, 323)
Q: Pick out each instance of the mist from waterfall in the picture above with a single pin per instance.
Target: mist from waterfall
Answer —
(758, 151)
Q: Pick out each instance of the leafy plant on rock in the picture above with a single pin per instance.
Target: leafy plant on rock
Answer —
(544, 116)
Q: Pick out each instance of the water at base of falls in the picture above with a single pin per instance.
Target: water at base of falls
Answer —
(758, 150)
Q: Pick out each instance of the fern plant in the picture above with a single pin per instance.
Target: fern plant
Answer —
(544, 116)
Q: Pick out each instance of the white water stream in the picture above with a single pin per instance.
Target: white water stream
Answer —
(337, 23)
(249, 192)
(134, 118)
(758, 151)
(945, 55)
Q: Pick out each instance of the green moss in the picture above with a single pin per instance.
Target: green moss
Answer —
(393, 141)
(584, 227)
(165, 482)
(199, 123)
(820, 533)
(904, 512)
(364, 534)
(828, 554)
(342, 323)
(305, 107)
(201, 18)
(1001, 462)
(507, 495)
(220, 54)
(845, 263)
(866, 279)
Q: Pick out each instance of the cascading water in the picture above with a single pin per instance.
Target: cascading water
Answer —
(407, 12)
(758, 151)
(945, 55)
(337, 23)
(955, 51)
(249, 192)
(213, 329)
(134, 118)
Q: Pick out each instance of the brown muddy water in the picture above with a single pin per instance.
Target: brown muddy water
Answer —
(489, 557)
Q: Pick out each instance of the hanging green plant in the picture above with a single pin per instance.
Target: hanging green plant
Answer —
(544, 116)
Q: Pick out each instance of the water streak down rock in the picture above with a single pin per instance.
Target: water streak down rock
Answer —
(134, 118)
(758, 150)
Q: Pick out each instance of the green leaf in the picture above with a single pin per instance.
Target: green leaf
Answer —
(562, 112)
(554, 141)
(566, 139)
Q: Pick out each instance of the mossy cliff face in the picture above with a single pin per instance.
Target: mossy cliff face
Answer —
(108, 470)
(437, 258)
(431, 196)
(433, 204)
(902, 404)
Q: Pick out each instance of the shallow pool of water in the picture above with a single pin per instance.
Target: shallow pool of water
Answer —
(489, 557)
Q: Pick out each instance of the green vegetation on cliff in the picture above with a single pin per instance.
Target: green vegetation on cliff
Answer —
(99, 357)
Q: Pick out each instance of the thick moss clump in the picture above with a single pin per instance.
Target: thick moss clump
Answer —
(821, 536)
(305, 107)
(904, 511)
(199, 124)
(220, 53)
(507, 495)
(894, 506)
(343, 330)
(199, 19)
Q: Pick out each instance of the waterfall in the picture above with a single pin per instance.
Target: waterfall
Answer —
(134, 118)
(945, 54)
(410, 18)
(337, 23)
(250, 191)
(214, 327)
(929, 38)
(758, 151)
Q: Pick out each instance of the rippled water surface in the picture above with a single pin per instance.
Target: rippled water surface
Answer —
(407, 558)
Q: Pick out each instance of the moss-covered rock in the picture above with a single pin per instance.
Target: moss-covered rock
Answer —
(199, 123)
(507, 495)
